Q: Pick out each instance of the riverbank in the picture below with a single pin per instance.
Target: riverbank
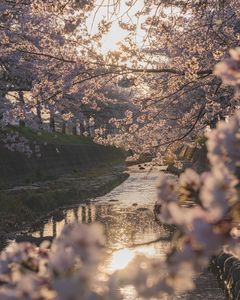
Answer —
(58, 155)
(24, 205)
(126, 213)
(69, 170)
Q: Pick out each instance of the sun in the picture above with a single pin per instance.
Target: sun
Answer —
(111, 41)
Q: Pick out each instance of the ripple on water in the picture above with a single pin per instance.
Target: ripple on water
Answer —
(127, 215)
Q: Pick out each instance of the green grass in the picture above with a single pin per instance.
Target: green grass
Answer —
(43, 136)
(78, 184)
(27, 206)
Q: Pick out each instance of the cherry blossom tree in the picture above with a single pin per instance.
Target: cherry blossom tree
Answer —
(47, 49)
(177, 91)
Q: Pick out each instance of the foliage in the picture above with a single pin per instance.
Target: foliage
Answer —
(51, 66)
(177, 93)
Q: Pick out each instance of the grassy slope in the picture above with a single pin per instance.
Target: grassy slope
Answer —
(19, 208)
(60, 154)
(66, 189)
(42, 137)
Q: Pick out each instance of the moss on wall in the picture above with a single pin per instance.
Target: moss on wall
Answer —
(61, 155)
(55, 161)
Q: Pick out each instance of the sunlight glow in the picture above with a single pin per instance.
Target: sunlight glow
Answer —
(121, 259)
(116, 34)
(111, 40)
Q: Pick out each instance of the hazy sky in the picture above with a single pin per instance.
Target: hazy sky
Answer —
(116, 34)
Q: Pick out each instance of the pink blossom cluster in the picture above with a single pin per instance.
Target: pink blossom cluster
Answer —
(13, 141)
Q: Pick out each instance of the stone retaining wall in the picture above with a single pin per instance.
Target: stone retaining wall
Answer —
(190, 157)
(55, 160)
(227, 269)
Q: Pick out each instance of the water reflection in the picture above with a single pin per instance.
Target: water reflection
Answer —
(120, 259)
(127, 216)
(124, 226)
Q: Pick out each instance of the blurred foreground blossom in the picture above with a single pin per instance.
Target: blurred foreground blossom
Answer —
(229, 69)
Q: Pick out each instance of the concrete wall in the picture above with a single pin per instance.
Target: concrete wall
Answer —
(56, 160)
(198, 158)
(227, 269)
(191, 157)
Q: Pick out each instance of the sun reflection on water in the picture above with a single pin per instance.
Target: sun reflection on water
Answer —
(120, 259)
(127, 216)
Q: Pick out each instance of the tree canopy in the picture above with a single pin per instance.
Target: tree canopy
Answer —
(53, 61)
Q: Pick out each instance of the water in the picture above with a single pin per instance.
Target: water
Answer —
(127, 215)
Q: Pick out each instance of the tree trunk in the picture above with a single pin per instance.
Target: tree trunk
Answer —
(88, 127)
(21, 99)
(82, 129)
(22, 123)
(52, 123)
(213, 123)
(64, 127)
(74, 129)
(39, 115)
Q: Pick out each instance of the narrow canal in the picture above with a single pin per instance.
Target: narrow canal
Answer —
(127, 215)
